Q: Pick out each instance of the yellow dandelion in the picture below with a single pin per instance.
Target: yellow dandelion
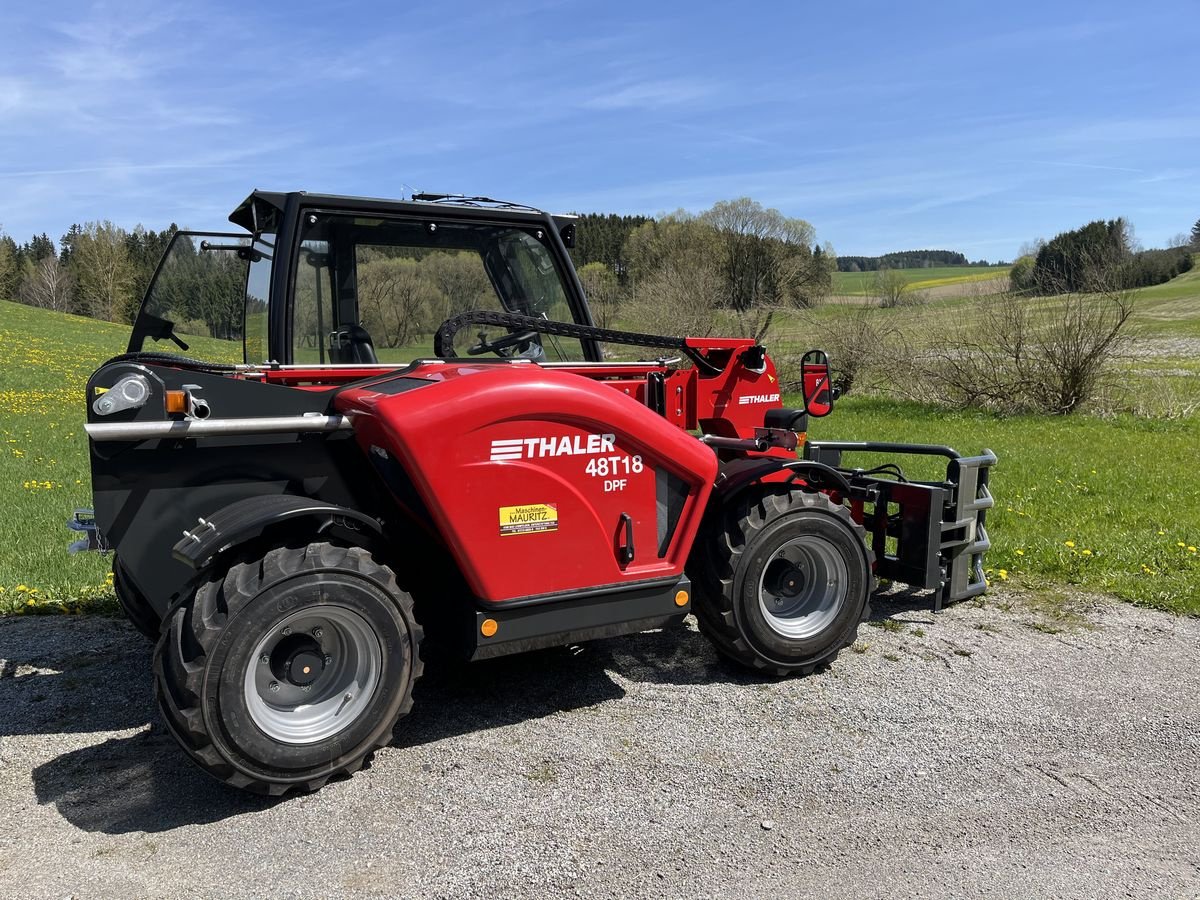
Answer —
(22, 589)
(1180, 544)
(29, 602)
(1086, 552)
(1020, 553)
(1003, 573)
(1191, 549)
(1160, 531)
(1069, 543)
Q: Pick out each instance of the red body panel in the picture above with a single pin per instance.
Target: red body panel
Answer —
(560, 457)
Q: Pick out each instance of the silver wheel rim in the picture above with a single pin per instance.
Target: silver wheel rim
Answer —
(313, 675)
(803, 587)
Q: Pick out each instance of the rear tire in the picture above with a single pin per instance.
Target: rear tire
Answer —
(134, 604)
(286, 671)
(782, 580)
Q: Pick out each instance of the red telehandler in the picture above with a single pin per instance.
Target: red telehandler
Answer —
(294, 515)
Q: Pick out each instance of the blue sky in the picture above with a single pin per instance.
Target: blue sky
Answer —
(969, 126)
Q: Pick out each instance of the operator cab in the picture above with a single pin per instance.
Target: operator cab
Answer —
(325, 280)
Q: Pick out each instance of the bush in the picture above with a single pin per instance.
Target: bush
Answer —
(1021, 276)
(1156, 266)
(1047, 356)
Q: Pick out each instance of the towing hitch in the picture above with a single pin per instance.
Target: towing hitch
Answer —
(83, 521)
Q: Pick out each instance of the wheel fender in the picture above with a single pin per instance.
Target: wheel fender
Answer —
(246, 519)
(739, 476)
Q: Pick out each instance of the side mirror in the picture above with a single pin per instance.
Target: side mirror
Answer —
(818, 383)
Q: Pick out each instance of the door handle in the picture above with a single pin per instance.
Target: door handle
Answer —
(625, 551)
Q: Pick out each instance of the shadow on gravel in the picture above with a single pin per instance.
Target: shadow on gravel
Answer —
(146, 783)
(97, 682)
(139, 783)
(897, 602)
(454, 699)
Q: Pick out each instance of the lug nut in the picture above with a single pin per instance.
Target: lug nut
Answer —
(265, 660)
(328, 659)
(318, 632)
(274, 687)
(287, 629)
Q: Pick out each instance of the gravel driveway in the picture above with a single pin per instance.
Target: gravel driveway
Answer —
(981, 752)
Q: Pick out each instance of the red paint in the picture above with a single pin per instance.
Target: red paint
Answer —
(485, 436)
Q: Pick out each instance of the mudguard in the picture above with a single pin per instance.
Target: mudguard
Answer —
(246, 519)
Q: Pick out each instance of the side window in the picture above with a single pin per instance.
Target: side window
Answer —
(312, 312)
(197, 296)
(378, 289)
(257, 304)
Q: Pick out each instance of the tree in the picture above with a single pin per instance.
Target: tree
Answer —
(40, 247)
(395, 300)
(890, 288)
(104, 272)
(676, 285)
(738, 258)
(1086, 259)
(8, 267)
(66, 244)
(602, 238)
(48, 286)
(602, 288)
(767, 261)
(1021, 275)
(1196, 236)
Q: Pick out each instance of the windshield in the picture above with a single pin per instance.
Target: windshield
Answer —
(196, 302)
(372, 289)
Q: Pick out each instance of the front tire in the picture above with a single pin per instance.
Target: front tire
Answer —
(782, 580)
(288, 670)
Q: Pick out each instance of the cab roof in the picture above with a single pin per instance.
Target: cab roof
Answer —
(261, 210)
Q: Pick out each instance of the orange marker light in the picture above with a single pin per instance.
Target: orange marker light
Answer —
(176, 402)
(681, 599)
(488, 627)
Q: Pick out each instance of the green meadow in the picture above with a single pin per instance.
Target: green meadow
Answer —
(1107, 504)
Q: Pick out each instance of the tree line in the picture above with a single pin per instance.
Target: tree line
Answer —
(907, 259)
(732, 267)
(97, 269)
(1099, 256)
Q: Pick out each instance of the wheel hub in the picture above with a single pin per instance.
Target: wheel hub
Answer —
(313, 674)
(298, 660)
(803, 587)
(784, 579)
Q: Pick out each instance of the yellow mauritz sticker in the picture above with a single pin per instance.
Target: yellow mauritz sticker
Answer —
(530, 519)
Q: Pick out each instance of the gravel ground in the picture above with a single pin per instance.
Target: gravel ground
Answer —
(981, 752)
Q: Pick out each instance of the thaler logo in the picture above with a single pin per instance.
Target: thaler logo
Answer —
(758, 398)
(566, 445)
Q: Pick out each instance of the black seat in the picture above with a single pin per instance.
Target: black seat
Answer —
(353, 345)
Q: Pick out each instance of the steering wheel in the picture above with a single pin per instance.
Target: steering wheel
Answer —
(502, 343)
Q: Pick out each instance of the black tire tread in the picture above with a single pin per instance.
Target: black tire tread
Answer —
(726, 535)
(133, 603)
(193, 628)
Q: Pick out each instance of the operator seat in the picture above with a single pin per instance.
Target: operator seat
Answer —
(353, 345)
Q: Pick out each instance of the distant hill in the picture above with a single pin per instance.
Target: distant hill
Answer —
(905, 259)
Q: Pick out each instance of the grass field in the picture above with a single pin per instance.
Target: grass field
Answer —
(1107, 504)
(45, 361)
(861, 284)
